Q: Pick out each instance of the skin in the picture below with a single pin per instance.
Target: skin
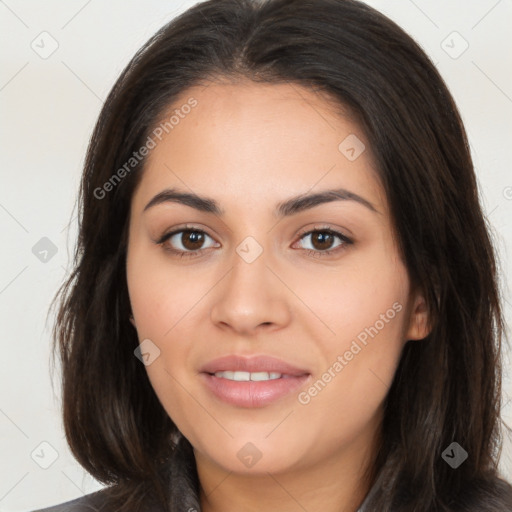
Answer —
(250, 146)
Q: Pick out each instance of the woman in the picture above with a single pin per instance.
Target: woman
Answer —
(285, 295)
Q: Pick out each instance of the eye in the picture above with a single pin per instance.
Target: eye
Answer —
(322, 240)
(189, 241)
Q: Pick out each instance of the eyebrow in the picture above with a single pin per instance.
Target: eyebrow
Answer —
(283, 209)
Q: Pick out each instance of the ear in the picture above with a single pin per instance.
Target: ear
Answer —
(419, 324)
(132, 320)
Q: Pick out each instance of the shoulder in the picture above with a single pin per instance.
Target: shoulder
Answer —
(88, 503)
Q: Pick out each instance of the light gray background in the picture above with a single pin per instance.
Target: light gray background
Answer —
(49, 107)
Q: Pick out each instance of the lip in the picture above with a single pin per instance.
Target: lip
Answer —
(252, 394)
(252, 364)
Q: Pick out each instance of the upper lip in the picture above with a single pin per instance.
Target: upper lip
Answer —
(252, 364)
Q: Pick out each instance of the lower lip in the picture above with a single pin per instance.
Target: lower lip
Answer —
(252, 393)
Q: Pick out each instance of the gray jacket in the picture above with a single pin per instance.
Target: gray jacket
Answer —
(92, 503)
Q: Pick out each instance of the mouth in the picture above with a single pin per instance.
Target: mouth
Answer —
(239, 376)
(252, 382)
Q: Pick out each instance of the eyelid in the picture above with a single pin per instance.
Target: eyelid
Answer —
(346, 240)
(336, 232)
(178, 229)
(324, 227)
(304, 231)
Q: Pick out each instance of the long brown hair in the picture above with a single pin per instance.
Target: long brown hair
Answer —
(447, 387)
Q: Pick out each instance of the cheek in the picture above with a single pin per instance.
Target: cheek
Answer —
(347, 393)
(365, 309)
(162, 300)
(160, 294)
(356, 295)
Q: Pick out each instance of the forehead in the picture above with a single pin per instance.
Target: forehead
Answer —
(251, 141)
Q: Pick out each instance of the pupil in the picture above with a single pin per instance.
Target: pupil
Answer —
(320, 240)
(324, 237)
(196, 238)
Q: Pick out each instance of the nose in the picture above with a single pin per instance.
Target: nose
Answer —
(251, 297)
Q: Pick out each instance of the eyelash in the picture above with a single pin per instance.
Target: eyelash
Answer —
(311, 252)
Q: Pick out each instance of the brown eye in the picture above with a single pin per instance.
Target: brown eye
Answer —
(185, 242)
(192, 240)
(322, 241)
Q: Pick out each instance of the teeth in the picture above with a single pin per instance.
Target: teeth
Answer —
(246, 376)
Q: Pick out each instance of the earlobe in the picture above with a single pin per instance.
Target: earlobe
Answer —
(419, 326)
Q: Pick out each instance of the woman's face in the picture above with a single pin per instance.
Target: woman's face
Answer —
(251, 280)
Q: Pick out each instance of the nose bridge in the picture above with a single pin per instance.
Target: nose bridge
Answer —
(250, 294)
(249, 276)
